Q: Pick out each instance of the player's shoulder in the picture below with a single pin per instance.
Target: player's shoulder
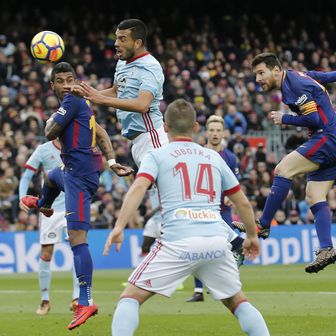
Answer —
(297, 78)
(44, 146)
(47, 147)
(69, 98)
(149, 62)
(229, 153)
(120, 64)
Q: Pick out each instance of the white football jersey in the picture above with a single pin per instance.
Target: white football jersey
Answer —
(190, 180)
(48, 156)
(142, 74)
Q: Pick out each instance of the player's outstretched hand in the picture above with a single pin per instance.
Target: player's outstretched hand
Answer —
(121, 170)
(251, 248)
(75, 90)
(90, 93)
(116, 237)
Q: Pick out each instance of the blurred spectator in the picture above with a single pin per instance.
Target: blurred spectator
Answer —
(295, 140)
(235, 120)
(208, 69)
(21, 222)
(280, 217)
(260, 154)
(8, 198)
(294, 218)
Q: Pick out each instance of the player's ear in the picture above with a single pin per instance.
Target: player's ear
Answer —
(276, 70)
(165, 127)
(196, 127)
(139, 44)
(52, 85)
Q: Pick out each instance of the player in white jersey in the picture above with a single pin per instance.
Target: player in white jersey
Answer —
(51, 229)
(136, 94)
(190, 180)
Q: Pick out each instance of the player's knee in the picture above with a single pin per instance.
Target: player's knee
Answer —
(234, 301)
(283, 170)
(46, 256)
(314, 197)
(47, 181)
(77, 237)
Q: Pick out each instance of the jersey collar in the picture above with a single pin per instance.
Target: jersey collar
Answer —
(136, 57)
(184, 139)
(56, 145)
(284, 74)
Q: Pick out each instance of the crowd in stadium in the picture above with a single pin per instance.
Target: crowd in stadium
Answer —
(205, 61)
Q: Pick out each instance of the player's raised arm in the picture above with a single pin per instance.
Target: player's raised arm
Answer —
(322, 77)
(104, 143)
(139, 104)
(52, 129)
(78, 90)
(310, 120)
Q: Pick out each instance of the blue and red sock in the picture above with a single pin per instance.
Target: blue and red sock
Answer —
(322, 214)
(279, 191)
(84, 268)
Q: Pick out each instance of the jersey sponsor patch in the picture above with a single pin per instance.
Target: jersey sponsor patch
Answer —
(206, 255)
(196, 215)
(61, 111)
(51, 235)
(121, 84)
(301, 100)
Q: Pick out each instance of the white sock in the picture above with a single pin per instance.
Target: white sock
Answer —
(250, 320)
(44, 278)
(126, 317)
(75, 291)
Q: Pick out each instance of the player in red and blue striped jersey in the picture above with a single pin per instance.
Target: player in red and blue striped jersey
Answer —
(74, 124)
(305, 95)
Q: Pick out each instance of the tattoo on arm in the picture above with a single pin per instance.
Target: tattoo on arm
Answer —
(52, 130)
(104, 142)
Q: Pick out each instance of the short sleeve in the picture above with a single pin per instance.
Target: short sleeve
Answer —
(67, 111)
(149, 168)
(230, 183)
(149, 82)
(35, 160)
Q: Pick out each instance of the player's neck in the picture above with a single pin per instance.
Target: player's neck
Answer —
(216, 148)
(282, 76)
(179, 137)
(138, 54)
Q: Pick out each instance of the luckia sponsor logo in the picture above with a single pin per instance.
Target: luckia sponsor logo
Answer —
(200, 215)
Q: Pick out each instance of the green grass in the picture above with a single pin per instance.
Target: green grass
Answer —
(291, 301)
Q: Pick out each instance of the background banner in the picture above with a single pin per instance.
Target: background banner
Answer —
(19, 251)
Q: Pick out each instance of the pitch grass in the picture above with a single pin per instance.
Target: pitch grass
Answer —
(291, 301)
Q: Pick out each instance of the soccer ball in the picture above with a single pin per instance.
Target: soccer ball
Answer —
(47, 46)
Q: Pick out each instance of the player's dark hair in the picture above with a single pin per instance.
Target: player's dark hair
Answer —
(62, 67)
(137, 27)
(270, 59)
(180, 116)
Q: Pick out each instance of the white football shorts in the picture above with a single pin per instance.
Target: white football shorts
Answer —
(169, 264)
(146, 142)
(52, 228)
(153, 226)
